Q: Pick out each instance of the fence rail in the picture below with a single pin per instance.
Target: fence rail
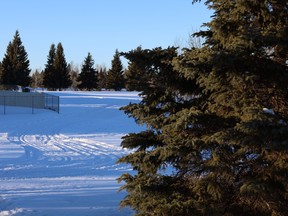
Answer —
(29, 100)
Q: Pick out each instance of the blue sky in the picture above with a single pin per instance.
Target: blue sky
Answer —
(97, 26)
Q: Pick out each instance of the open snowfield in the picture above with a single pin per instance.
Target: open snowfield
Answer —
(64, 164)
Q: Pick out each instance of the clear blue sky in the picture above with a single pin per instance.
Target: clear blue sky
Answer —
(97, 26)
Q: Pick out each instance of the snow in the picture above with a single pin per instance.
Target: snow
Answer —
(269, 111)
(64, 164)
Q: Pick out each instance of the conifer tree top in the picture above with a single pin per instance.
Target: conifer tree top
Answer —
(15, 64)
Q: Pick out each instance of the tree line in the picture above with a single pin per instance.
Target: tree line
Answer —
(58, 74)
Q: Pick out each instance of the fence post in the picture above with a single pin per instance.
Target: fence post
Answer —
(52, 102)
(32, 104)
(45, 99)
(4, 105)
(58, 104)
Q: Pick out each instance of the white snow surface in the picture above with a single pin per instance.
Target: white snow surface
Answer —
(65, 164)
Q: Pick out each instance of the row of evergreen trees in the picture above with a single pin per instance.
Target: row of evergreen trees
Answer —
(57, 74)
(14, 70)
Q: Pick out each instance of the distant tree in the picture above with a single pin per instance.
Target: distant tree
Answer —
(56, 73)
(189, 42)
(115, 78)
(74, 73)
(49, 79)
(194, 41)
(218, 146)
(102, 76)
(132, 78)
(15, 64)
(88, 77)
(37, 79)
(137, 74)
(61, 69)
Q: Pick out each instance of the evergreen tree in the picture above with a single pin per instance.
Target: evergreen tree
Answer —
(37, 79)
(224, 138)
(56, 73)
(15, 64)
(49, 79)
(163, 95)
(88, 77)
(115, 78)
(102, 75)
(61, 69)
(137, 75)
(74, 73)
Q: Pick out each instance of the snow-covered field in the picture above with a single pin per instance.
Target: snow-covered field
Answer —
(64, 164)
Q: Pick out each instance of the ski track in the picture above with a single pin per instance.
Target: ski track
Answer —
(69, 167)
(103, 149)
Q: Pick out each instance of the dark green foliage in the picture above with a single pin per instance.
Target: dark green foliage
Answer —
(49, 79)
(15, 64)
(223, 138)
(88, 77)
(102, 76)
(137, 76)
(56, 74)
(149, 69)
(164, 95)
(115, 78)
(62, 74)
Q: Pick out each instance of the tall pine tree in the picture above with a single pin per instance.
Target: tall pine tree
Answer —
(115, 78)
(49, 79)
(220, 145)
(88, 77)
(61, 69)
(15, 64)
(56, 73)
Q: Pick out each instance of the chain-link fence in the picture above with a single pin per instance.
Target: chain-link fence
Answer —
(52, 102)
(10, 100)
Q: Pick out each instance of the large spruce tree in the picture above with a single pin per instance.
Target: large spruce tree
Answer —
(15, 64)
(88, 77)
(220, 146)
(49, 79)
(61, 69)
(115, 78)
(56, 73)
